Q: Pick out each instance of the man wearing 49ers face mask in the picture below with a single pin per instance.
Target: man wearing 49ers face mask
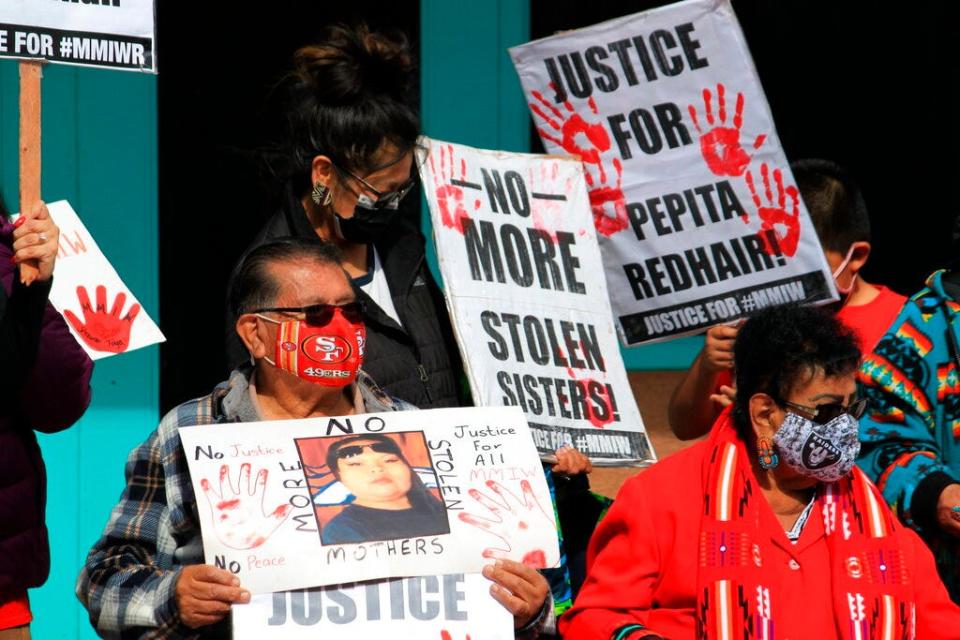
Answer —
(298, 317)
(324, 346)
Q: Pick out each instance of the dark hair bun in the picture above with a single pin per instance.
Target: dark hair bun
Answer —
(352, 64)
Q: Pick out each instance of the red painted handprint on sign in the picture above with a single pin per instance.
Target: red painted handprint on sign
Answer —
(548, 194)
(449, 193)
(102, 330)
(602, 169)
(775, 217)
(519, 523)
(239, 518)
(720, 146)
(601, 408)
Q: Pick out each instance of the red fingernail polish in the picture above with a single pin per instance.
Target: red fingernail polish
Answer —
(19, 221)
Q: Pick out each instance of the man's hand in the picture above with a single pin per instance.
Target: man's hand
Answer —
(204, 594)
(949, 519)
(571, 462)
(519, 588)
(718, 348)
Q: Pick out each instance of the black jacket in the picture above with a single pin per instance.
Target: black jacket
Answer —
(417, 362)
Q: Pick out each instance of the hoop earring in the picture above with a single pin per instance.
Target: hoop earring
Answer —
(768, 457)
(321, 194)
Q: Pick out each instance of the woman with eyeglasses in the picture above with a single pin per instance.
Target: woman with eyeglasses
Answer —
(349, 173)
(390, 501)
(766, 529)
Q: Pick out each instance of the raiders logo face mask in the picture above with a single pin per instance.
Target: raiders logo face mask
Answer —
(826, 452)
(329, 354)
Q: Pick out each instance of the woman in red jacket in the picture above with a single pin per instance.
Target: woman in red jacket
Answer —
(766, 529)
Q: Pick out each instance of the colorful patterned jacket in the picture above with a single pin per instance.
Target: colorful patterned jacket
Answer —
(911, 433)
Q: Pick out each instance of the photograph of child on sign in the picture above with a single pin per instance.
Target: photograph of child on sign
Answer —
(372, 487)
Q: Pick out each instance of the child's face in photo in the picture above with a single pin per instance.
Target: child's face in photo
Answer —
(374, 477)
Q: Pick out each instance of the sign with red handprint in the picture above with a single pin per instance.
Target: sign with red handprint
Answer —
(294, 504)
(101, 311)
(665, 112)
(516, 239)
(113, 322)
(440, 607)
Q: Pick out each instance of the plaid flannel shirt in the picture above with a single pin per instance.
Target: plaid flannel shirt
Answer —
(127, 583)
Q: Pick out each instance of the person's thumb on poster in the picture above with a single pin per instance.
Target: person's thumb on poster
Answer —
(36, 240)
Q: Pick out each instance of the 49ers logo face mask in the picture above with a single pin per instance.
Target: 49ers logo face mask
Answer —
(329, 354)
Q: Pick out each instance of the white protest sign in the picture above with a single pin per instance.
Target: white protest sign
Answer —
(445, 607)
(525, 286)
(301, 503)
(699, 217)
(117, 34)
(101, 311)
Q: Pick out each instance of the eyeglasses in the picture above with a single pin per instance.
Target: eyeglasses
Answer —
(319, 315)
(385, 199)
(356, 449)
(824, 413)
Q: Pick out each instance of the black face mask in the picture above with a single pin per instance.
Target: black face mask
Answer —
(367, 225)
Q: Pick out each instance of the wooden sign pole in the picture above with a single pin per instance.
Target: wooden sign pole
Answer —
(31, 73)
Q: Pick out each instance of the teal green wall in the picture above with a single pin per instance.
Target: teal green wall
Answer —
(470, 94)
(100, 153)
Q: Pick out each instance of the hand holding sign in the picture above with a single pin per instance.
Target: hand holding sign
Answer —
(35, 241)
(204, 594)
(591, 142)
(775, 217)
(239, 520)
(519, 588)
(518, 521)
(102, 330)
(571, 462)
(721, 146)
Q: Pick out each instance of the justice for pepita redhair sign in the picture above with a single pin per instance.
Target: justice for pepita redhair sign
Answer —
(699, 219)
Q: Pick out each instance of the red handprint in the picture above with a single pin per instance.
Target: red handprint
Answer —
(591, 142)
(544, 179)
(598, 416)
(518, 523)
(445, 635)
(450, 196)
(720, 145)
(775, 217)
(100, 330)
(239, 519)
